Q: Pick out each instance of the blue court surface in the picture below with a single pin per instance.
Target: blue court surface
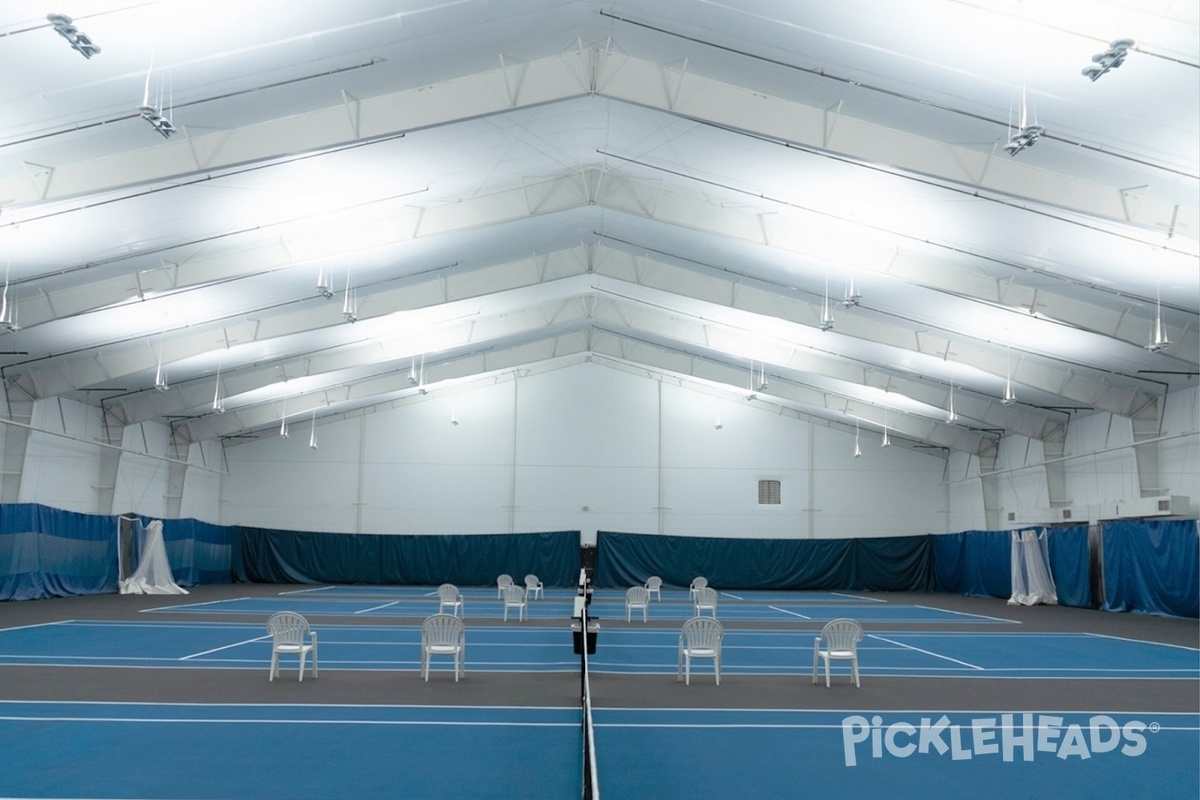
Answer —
(168, 751)
(627, 649)
(910, 755)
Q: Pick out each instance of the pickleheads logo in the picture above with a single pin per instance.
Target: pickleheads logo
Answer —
(1009, 737)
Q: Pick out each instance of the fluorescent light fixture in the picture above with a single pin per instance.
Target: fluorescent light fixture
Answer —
(951, 416)
(857, 446)
(80, 41)
(1110, 59)
(312, 436)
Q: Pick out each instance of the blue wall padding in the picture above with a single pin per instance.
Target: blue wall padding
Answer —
(47, 552)
(901, 563)
(974, 563)
(1069, 565)
(274, 556)
(1152, 566)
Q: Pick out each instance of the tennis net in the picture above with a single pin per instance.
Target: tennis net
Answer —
(585, 640)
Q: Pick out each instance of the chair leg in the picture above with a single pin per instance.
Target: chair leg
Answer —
(854, 664)
(717, 667)
(815, 659)
(302, 655)
(827, 660)
(274, 664)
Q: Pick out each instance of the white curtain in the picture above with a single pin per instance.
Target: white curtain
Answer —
(1032, 582)
(153, 574)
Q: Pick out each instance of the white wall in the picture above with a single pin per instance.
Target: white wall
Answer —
(1099, 467)
(584, 448)
(64, 466)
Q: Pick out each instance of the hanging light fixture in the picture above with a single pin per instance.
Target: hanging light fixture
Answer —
(886, 440)
(762, 376)
(1009, 396)
(153, 113)
(312, 436)
(324, 284)
(1026, 134)
(8, 313)
(951, 416)
(853, 296)
(1159, 341)
(218, 403)
(826, 313)
(350, 302)
(79, 41)
(1110, 59)
(160, 374)
(857, 446)
(412, 372)
(421, 378)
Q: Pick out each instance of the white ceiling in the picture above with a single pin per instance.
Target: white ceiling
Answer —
(675, 188)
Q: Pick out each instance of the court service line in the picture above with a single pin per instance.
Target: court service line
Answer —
(968, 614)
(225, 647)
(785, 611)
(1140, 641)
(378, 608)
(187, 606)
(859, 597)
(928, 652)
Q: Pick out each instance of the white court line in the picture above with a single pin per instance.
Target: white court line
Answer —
(310, 590)
(785, 611)
(927, 652)
(1140, 641)
(858, 597)
(377, 608)
(37, 625)
(226, 647)
(734, 596)
(194, 605)
(967, 614)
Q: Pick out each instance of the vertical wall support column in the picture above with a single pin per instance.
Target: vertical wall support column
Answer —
(662, 511)
(176, 479)
(512, 479)
(14, 441)
(359, 502)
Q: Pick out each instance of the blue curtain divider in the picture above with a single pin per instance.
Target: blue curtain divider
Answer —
(47, 552)
(1152, 567)
(274, 556)
(902, 563)
(974, 563)
(1069, 565)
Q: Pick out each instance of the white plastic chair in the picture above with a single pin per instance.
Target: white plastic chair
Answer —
(706, 600)
(700, 637)
(637, 597)
(654, 587)
(450, 597)
(514, 597)
(533, 587)
(838, 642)
(502, 583)
(291, 635)
(443, 635)
(697, 583)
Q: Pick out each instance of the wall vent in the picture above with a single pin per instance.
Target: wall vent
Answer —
(768, 493)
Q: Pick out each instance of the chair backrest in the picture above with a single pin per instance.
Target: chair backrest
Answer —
(514, 595)
(531, 581)
(504, 581)
(637, 596)
(842, 634)
(706, 596)
(287, 627)
(654, 582)
(699, 583)
(448, 593)
(702, 632)
(442, 629)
